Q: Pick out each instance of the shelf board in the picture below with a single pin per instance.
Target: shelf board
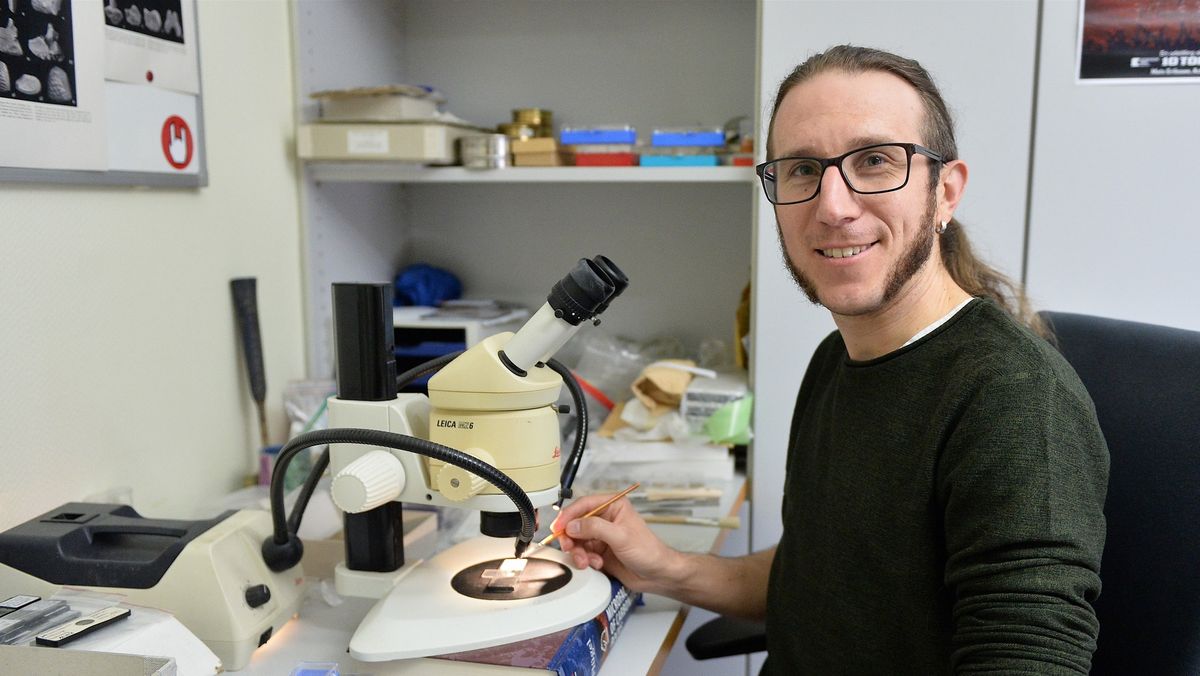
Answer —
(391, 172)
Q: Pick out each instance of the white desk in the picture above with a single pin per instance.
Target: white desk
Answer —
(321, 632)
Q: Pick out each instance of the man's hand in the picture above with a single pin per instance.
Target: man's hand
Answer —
(618, 542)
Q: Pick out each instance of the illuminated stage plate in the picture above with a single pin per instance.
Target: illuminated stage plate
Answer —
(425, 616)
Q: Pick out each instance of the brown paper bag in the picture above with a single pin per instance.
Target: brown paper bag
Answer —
(660, 388)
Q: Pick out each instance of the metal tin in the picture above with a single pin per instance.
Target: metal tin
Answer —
(516, 130)
(484, 151)
(533, 117)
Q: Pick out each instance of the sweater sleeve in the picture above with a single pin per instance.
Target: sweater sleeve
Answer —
(1022, 482)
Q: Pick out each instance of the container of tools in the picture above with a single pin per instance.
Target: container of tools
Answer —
(484, 151)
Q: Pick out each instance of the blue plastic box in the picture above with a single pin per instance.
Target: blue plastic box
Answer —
(589, 135)
(688, 137)
(679, 160)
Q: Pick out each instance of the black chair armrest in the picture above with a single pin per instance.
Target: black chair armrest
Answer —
(725, 637)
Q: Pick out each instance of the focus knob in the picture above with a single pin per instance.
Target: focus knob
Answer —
(458, 484)
(257, 595)
(370, 481)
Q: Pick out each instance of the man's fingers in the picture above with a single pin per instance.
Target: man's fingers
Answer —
(578, 508)
(596, 528)
(579, 558)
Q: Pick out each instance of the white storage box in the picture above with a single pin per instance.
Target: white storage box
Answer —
(425, 143)
(705, 395)
(390, 103)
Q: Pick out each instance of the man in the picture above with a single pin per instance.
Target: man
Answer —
(946, 475)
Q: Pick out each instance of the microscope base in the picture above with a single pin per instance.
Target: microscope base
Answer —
(424, 616)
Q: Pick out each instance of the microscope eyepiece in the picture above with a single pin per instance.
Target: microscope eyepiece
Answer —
(576, 296)
(587, 290)
(616, 277)
(580, 296)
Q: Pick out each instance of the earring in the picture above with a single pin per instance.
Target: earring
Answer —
(941, 228)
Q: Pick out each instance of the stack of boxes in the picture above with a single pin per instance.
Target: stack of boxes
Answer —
(532, 143)
(532, 138)
(601, 146)
(684, 147)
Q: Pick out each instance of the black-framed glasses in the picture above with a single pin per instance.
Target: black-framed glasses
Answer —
(882, 167)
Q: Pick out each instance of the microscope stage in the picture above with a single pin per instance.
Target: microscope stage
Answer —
(425, 614)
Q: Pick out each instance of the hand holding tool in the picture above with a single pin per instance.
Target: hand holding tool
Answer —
(600, 508)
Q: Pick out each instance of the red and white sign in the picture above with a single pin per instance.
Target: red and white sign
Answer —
(177, 143)
(153, 130)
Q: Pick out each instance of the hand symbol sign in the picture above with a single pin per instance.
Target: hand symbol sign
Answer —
(177, 142)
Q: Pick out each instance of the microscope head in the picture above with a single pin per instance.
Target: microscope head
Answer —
(498, 400)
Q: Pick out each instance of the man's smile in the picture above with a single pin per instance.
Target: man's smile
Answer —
(845, 251)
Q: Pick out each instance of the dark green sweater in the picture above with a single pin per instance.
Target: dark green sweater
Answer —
(942, 509)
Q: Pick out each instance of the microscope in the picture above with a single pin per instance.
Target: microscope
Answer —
(485, 438)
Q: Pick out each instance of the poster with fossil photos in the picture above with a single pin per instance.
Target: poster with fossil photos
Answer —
(53, 113)
(152, 42)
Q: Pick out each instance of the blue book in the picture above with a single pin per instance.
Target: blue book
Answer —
(577, 651)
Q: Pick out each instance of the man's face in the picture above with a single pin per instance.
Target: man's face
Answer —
(892, 232)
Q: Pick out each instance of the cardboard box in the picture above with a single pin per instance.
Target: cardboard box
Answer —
(377, 104)
(426, 143)
(537, 160)
(530, 146)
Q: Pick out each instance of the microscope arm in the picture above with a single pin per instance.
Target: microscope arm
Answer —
(283, 549)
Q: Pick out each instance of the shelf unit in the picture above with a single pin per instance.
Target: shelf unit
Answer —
(389, 172)
(683, 234)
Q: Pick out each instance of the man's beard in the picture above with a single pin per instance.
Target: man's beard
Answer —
(909, 264)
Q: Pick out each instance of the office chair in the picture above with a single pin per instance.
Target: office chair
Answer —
(1145, 382)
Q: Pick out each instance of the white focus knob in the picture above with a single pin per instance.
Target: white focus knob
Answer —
(458, 484)
(370, 481)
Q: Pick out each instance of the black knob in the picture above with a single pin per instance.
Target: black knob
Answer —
(257, 595)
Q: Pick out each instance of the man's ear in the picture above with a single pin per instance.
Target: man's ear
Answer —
(952, 183)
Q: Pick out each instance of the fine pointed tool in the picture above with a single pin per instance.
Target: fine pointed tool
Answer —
(553, 536)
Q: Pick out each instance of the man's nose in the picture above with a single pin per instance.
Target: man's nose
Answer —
(836, 202)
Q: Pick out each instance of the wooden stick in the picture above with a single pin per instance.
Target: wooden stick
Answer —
(732, 522)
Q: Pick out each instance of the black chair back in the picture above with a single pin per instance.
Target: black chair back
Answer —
(1145, 381)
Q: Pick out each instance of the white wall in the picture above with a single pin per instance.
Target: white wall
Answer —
(1115, 224)
(118, 357)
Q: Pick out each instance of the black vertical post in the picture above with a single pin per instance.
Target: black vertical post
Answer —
(366, 371)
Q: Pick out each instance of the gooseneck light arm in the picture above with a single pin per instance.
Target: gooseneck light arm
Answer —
(284, 550)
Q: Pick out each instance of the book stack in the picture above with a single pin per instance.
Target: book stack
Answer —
(578, 651)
